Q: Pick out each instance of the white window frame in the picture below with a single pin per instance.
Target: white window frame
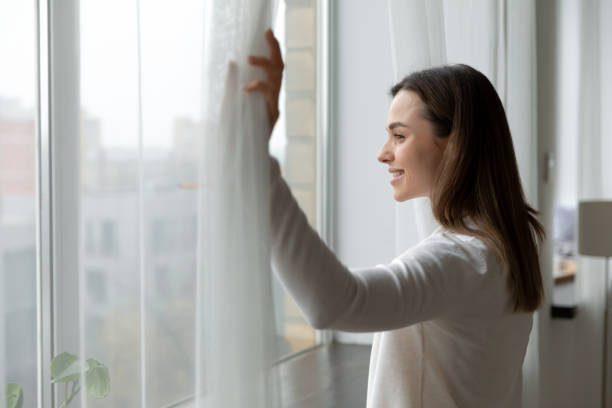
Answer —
(58, 183)
(325, 145)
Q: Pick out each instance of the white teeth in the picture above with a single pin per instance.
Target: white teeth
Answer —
(397, 173)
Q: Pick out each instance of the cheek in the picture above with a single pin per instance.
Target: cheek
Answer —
(417, 163)
(414, 160)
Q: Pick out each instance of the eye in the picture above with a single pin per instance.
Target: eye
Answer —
(399, 136)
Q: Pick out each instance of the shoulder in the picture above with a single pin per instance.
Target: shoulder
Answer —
(454, 252)
(465, 268)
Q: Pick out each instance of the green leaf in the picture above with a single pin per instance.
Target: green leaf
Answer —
(66, 367)
(97, 379)
(14, 396)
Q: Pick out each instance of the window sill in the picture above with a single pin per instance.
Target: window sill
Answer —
(325, 376)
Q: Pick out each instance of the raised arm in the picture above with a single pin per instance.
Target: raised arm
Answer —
(437, 278)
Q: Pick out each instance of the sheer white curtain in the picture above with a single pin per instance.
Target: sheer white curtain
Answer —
(496, 37)
(236, 343)
(175, 291)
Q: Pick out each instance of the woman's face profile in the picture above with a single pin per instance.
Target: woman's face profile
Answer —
(411, 151)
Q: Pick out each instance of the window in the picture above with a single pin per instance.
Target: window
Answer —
(132, 292)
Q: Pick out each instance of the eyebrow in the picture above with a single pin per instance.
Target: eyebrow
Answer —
(397, 124)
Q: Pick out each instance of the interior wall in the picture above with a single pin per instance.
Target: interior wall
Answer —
(570, 349)
(364, 213)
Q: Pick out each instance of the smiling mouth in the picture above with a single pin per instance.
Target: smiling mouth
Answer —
(397, 176)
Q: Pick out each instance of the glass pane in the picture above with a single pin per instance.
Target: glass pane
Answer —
(140, 225)
(171, 87)
(293, 143)
(18, 198)
(109, 196)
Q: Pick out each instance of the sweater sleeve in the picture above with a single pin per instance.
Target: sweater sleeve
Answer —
(435, 278)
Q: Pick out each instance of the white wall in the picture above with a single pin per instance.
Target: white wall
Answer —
(570, 350)
(364, 213)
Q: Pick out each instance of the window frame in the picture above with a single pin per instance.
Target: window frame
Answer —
(44, 274)
(324, 125)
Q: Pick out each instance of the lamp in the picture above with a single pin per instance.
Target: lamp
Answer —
(595, 239)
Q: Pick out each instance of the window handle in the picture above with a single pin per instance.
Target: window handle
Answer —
(549, 166)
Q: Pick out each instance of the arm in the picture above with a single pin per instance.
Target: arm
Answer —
(433, 279)
(436, 278)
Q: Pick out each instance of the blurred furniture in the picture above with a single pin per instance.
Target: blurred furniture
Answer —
(564, 304)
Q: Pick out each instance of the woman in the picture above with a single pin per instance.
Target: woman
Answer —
(453, 314)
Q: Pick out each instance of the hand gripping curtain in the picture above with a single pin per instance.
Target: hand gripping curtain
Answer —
(497, 37)
(235, 343)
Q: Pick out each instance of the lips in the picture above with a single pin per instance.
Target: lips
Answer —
(396, 179)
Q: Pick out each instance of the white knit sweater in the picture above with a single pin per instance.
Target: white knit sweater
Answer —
(442, 312)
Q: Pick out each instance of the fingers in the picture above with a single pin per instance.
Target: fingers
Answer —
(270, 95)
(275, 73)
(264, 87)
(232, 68)
(275, 50)
(273, 66)
(260, 61)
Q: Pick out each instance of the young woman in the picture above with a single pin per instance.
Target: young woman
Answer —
(453, 314)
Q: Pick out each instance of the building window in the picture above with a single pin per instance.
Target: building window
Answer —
(97, 285)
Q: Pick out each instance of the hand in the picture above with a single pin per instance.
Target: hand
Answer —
(273, 67)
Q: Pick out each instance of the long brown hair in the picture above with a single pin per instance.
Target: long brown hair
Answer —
(478, 175)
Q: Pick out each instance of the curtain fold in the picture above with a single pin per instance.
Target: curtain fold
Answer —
(235, 339)
(497, 37)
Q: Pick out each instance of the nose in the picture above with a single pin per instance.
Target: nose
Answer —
(385, 155)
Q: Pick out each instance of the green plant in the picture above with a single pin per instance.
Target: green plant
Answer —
(66, 368)
(14, 395)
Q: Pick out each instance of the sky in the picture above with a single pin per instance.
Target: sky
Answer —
(171, 64)
(18, 51)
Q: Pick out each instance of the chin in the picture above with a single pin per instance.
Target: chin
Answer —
(405, 196)
(402, 197)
